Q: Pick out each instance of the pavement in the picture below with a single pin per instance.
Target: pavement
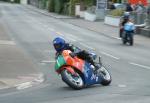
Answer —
(16, 67)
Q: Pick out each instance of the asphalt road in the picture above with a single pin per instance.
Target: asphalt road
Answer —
(34, 32)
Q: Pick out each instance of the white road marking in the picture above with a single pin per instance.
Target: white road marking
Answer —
(1, 88)
(110, 55)
(72, 36)
(87, 46)
(116, 37)
(143, 66)
(69, 38)
(51, 29)
(59, 33)
(48, 61)
(122, 86)
(40, 79)
(6, 42)
(24, 85)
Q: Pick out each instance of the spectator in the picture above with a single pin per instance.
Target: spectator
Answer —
(133, 7)
(111, 5)
(148, 9)
(140, 8)
(129, 8)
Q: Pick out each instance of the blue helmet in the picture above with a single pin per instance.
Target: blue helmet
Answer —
(59, 44)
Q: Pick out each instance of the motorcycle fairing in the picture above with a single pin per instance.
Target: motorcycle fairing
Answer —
(59, 62)
(66, 60)
(89, 76)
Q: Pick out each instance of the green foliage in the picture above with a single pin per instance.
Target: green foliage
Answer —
(51, 5)
(58, 6)
(42, 4)
(65, 8)
(5, 0)
(116, 12)
(17, 1)
(88, 2)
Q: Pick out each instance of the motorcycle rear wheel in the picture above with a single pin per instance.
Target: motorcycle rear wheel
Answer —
(131, 41)
(75, 82)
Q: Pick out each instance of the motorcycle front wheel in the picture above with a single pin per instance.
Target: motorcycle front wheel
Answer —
(105, 76)
(74, 81)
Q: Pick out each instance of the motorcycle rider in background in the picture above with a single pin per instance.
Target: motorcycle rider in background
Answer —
(60, 45)
(129, 28)
(125, 18)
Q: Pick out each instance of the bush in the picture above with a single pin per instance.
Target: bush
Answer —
(42, 4)
(89, 3)
(58, 6)
(66, 9)
(51, 5)
(17, 1)
(116, 12)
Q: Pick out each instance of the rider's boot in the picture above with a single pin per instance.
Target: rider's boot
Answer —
(97, 66)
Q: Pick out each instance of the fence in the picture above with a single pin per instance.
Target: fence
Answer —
(138, 18)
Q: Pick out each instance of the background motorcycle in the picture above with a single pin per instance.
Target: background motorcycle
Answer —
(127, 37)
(78, 73)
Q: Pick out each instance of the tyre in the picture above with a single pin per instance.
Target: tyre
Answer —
(124, 41)
(105, 76)
(75, 82)
(131, 41)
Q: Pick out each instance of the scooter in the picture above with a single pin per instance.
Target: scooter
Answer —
(78, 73)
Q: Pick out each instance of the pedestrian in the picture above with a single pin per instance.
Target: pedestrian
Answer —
(124, 19)
(148, 9)
(129, 7)
(111, 5)
(133, 7)
(140, 8)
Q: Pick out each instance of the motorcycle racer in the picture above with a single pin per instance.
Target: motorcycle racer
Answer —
(60, 45)
(125, 18)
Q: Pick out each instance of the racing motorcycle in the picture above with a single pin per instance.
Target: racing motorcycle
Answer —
(78, 73)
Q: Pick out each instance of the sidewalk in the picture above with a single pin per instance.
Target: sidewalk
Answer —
(16, 68)
(97, 26)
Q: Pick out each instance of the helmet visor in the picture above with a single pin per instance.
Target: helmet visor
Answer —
(57, 46)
